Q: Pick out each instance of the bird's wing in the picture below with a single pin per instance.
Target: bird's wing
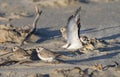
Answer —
(70, 29)
(77, 19)
(77, 14)
(47, 53)
(73, 27)
(21, 52)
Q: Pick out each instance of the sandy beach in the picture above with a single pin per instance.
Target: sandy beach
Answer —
(99, 19)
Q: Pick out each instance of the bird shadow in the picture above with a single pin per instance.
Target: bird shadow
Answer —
(115, 45)
(69, 53)
(2, 14)
(34, 56)
(108, 49)
(92, 30)
(106, 56)
(111, 37)
(87, 30)
(46, 34)
(84, 1)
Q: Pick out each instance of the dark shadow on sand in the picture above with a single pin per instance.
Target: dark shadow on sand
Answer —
(108, 49)
(111, 37)
(84, 1)
(46, 34)
(87, 30)
(34, 56)
(2, 14)
(114, 47)
(107, 56)
(92, 30)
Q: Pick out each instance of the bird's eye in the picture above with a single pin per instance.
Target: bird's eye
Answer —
(63, 29)
(14, 48)
(38, 48)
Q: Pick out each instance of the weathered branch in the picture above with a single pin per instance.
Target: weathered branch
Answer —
(33, 29)
(4, 18)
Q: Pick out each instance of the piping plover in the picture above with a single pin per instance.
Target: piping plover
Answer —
(84, 39)
(63, 32)
(73, 32)
(19, 54)
(46, 55)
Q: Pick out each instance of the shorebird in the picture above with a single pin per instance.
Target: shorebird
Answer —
(19, 54)
(46, 55)
(73, 32)
(86, 42)
(63, 32)
(84, 39)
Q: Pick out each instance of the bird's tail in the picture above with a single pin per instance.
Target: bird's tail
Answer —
(63, 56)
(77, 14)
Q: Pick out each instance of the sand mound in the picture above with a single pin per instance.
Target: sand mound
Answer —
(58, 3)
(55, 3)
(10, 33)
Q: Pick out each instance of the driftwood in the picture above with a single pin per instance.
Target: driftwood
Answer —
(33, 28)
(4, 18)
(10, 33)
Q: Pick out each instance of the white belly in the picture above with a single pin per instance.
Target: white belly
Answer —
(50, 59)
(75, 46)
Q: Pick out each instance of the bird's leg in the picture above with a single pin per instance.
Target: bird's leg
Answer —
(78, 52)
(47, 62)
(57, 62)
(74, 52)
(66, 45)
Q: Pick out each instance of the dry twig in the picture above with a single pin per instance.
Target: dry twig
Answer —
(33, 28)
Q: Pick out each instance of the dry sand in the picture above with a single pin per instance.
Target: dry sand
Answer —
(100, 19)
